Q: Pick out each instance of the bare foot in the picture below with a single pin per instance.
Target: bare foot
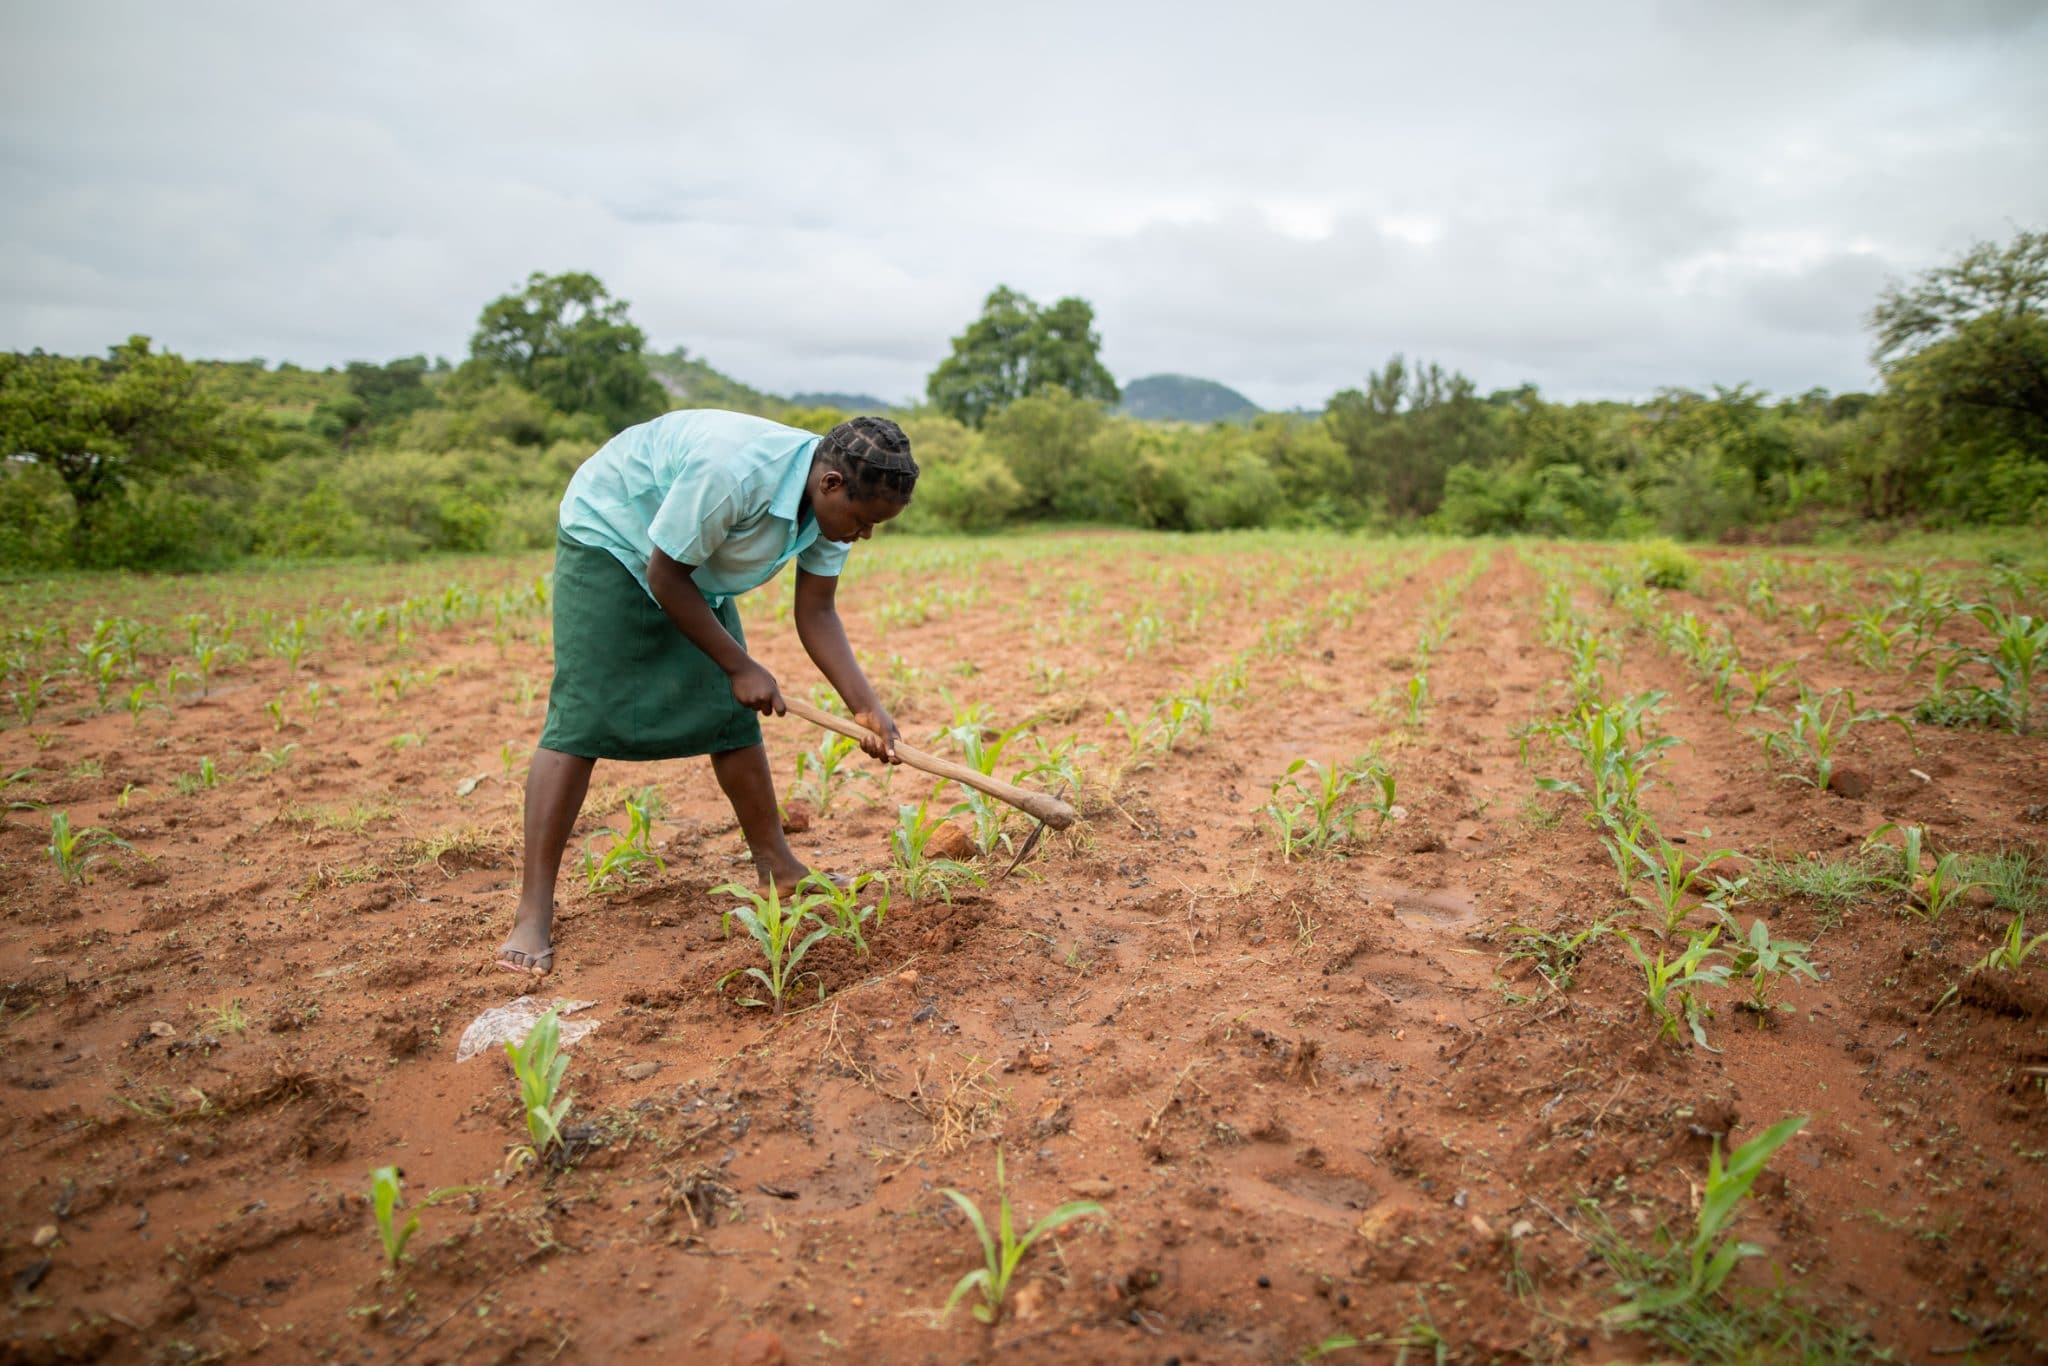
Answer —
(528, 949)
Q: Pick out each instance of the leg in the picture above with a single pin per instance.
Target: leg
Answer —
(555, 786)
(750, 787)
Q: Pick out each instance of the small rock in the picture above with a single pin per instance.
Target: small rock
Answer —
(45, 1236)
(162, 1029)
(1730, 804)
(1521, 1229)
(796, 818)
(950, 840)
(1039, 1062)
(759, 1348)
(639, 1071)
(908, 977)
(1849, 782)
(1093, 1188)
(1030, 1301)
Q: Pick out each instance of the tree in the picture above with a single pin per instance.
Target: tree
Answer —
(1975, 335)
(1016, 348)
(567, 340)
(1964, 415)
(135, 417)
(1406, 428)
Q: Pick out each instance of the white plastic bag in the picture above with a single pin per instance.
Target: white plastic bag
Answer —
(511, 1024)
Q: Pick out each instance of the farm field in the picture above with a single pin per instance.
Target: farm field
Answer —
(1389, 997)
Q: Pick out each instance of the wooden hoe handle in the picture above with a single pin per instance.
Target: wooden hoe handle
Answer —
(1049, 809)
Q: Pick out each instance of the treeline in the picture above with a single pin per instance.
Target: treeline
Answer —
(144, 460)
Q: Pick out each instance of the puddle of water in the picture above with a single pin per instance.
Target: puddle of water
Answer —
(1438, 908)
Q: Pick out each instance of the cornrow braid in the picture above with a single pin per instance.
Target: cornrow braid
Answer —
(874, 455)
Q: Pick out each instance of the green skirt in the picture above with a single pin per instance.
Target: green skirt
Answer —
(628, 684)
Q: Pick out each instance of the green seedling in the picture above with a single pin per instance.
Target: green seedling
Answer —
(385, 1188)
(1612, 740)
(2014, 948)
(28, 698)
(775, 928)
(1671, 874)
(1669, 983)
(1909, 852)
(1001, 1254)
(909, 846)
(74, 851)
(1759, 682)
(1942, 887)
(1176, 714)
(1418, 698)
(1058, 765)
(1876, 638)
(1761, 962)
(841, 905)
(1819, 723)
(291, 643)
(2020, 648)
(627, 859)
(821, 773)
(141, 698)
(230, 1018)
(275, 707)
(1311, 804)
(1141, 737)
(538, 1064)
(1692, 1273)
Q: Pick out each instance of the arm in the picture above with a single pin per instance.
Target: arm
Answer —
(679, 597)
(824, 638)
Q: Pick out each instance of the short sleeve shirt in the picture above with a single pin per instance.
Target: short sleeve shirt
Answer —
(721, 491)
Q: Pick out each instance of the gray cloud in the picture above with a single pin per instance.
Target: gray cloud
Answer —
(1604, 198)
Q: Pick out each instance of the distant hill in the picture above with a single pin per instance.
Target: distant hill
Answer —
(1183, 398)
(699, 386)
(845, 403)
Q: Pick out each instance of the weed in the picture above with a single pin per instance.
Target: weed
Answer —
(539, 1065)
(1555, 954)
(775, 928)
(1662, 564)
(2013, 877)
(74, 851)
(275, 759)
(229, 1019)
(1001, 1255)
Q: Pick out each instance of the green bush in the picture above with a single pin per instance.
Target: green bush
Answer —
(1665, 565)
(36, 517)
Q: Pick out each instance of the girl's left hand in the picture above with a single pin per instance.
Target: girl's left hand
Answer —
(878, 720)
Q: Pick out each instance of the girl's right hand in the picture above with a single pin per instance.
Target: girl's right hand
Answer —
(754, 687)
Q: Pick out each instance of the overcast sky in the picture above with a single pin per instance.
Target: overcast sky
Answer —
(1602, 198)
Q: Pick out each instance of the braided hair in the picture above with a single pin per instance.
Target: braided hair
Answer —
(874, 455)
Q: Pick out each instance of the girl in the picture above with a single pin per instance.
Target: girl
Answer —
(659, 532)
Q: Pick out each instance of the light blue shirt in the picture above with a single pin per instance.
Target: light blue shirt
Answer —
(721, 491)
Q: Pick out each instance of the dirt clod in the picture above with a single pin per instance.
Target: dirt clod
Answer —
(1849, 781)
